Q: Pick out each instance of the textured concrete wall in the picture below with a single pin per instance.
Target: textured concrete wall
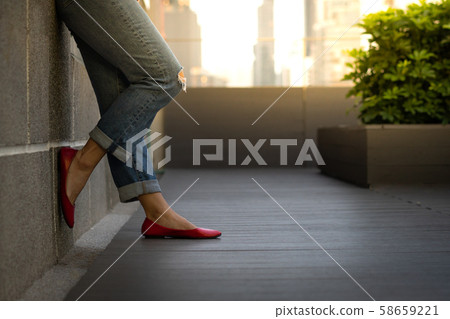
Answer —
(46, 102)
(228, 113)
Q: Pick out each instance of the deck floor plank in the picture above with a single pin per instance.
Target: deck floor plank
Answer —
(395, 248)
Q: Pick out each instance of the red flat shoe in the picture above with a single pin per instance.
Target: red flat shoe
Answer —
(151, 229)
(66, 155)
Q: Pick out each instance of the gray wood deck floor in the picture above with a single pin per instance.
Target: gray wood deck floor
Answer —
(394, 241)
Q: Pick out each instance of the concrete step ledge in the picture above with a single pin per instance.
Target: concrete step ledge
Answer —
(57, 281)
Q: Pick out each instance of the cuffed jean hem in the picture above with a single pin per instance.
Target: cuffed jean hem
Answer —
(130, 192)
(107, 143)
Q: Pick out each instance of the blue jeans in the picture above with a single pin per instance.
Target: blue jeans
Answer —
(134, 74)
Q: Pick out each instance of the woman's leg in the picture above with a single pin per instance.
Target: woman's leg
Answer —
(156, 208)
(154, 204)
(82, 167)
(122, 33)
(108, 83)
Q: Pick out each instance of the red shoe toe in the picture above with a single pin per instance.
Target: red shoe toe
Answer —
(66, 155)
(151, 229)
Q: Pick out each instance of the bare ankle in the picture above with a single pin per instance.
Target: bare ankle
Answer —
(89, 156)
(153, 215)
(84, 163)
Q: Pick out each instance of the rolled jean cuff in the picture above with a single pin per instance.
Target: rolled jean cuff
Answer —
(130, 192)
(108, 144)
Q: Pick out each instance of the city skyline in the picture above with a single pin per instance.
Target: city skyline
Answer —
(229, 36)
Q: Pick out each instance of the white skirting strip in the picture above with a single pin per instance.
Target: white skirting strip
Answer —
(36, 148)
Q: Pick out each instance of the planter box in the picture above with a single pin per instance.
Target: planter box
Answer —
(376, 154)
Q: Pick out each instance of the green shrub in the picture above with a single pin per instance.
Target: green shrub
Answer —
(404, 76)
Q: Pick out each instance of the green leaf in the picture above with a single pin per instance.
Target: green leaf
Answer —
(403, 77)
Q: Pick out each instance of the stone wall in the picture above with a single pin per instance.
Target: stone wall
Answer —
(46, 102)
